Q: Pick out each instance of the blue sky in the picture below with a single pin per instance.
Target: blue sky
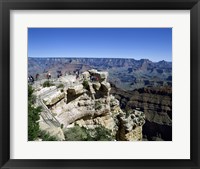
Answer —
(154, 44)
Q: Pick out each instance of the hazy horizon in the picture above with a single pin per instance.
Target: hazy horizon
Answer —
(95, 58)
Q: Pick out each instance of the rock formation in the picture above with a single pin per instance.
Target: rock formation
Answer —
(127, 74)
(89, 104)
(156, 103)
(54, 98)
(130, 125)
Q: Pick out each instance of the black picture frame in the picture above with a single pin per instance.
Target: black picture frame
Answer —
(7, 5)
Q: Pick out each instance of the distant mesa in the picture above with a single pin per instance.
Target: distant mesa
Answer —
(128, 74)
(107, 91)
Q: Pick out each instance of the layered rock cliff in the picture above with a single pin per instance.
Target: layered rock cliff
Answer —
(156, 103)
(87, 102)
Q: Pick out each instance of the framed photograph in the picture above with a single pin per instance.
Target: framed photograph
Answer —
(98, 84)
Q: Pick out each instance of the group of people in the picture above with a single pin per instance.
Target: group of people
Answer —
(30, 79)
(59, 73)
(48, 76)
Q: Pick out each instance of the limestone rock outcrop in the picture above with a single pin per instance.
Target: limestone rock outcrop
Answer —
(130, 125)
(102, 76)
(96, 86)
(75, 90)
(105, 121)
(88, 103)
(53, 98)
(42, 91)
(156, 103)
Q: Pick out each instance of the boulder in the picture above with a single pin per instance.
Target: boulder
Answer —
(54, 98)
(69, 79)
(45, 90)
(86, 75)
(102, 76)
(92, 71)
(75, 90)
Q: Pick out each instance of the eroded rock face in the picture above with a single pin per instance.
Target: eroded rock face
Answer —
(91, 105)
(157, 106)
(134, 135)
(105, 121)
(86, 75)
(44, 90)
(102, 76)
(106, 86)
(130, 125)
(96, 85)
(53, 98)
(75, 90)
(82, 107)
(156, 103)
(74, 110)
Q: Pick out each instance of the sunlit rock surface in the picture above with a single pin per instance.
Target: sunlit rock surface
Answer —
(87, 102)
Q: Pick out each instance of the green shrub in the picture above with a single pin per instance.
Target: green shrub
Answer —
(31, 97)
(78, 133)
(47, 84)
(46, 137)
(85, 84)
(102, 134)
(60, 85)
(30, 91)
(33, 116)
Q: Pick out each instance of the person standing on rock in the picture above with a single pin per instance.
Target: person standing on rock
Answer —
(48, 75)
(37, 77)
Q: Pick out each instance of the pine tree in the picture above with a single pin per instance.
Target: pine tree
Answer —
(33, 116)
